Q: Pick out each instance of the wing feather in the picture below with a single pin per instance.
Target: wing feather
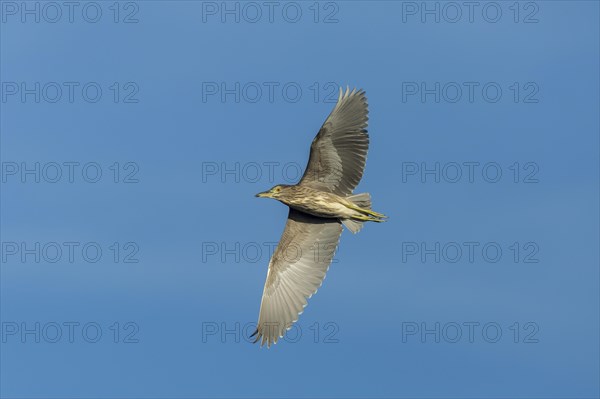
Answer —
(339, 151)
(291, 280)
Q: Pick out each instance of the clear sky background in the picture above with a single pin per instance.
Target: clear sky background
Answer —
(480, 285)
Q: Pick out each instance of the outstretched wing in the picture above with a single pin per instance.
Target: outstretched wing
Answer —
(296, 270)
(339, 151)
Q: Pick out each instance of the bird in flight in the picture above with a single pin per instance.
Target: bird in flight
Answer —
(319, 204)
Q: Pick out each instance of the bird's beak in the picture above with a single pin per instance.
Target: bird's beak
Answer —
(264, 194)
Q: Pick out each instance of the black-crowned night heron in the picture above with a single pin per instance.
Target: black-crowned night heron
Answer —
(319, 204)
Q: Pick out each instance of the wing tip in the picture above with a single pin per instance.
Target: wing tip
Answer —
(269, 339)
(347, 96)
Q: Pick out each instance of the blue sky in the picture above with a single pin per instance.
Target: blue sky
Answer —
(134, 137)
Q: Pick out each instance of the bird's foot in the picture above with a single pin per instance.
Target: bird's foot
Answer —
(368, 218)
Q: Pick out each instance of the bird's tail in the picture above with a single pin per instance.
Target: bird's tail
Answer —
(353, 225)
(362, 204)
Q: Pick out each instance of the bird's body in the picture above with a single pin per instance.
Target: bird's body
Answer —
(319, 204)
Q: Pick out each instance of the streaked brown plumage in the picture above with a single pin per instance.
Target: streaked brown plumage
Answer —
(319, 204)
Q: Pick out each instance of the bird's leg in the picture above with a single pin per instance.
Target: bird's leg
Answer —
(366, 211)
(367, 218)
(373, 213)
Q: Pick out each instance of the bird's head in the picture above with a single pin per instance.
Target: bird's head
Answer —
(275, 192)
